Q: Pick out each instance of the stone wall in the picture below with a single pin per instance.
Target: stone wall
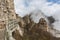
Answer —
(6, 13)
(10, 9)
(7, 10)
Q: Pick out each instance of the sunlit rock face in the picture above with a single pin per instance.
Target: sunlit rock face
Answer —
(32, 30)
(35, 16)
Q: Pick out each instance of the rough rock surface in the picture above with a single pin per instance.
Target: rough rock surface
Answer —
(33, 31)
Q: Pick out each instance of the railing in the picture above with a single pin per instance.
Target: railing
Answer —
(11, 26)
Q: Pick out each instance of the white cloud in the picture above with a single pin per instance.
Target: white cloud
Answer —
(56, 24)
(21, 9)
(48, 8)
(35, 4)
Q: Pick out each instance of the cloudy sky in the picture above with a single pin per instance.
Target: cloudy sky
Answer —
(48, 7)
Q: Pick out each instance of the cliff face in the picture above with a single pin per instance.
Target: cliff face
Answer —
(33, 31)
(6, 13)
(7, 9)
(10, 9)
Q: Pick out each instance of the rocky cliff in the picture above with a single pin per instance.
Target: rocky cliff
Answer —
(33, 31)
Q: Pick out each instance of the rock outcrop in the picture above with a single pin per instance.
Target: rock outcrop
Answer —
(33, 31)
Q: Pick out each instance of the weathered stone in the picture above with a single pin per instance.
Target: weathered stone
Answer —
(6, 13)
(32, 31)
